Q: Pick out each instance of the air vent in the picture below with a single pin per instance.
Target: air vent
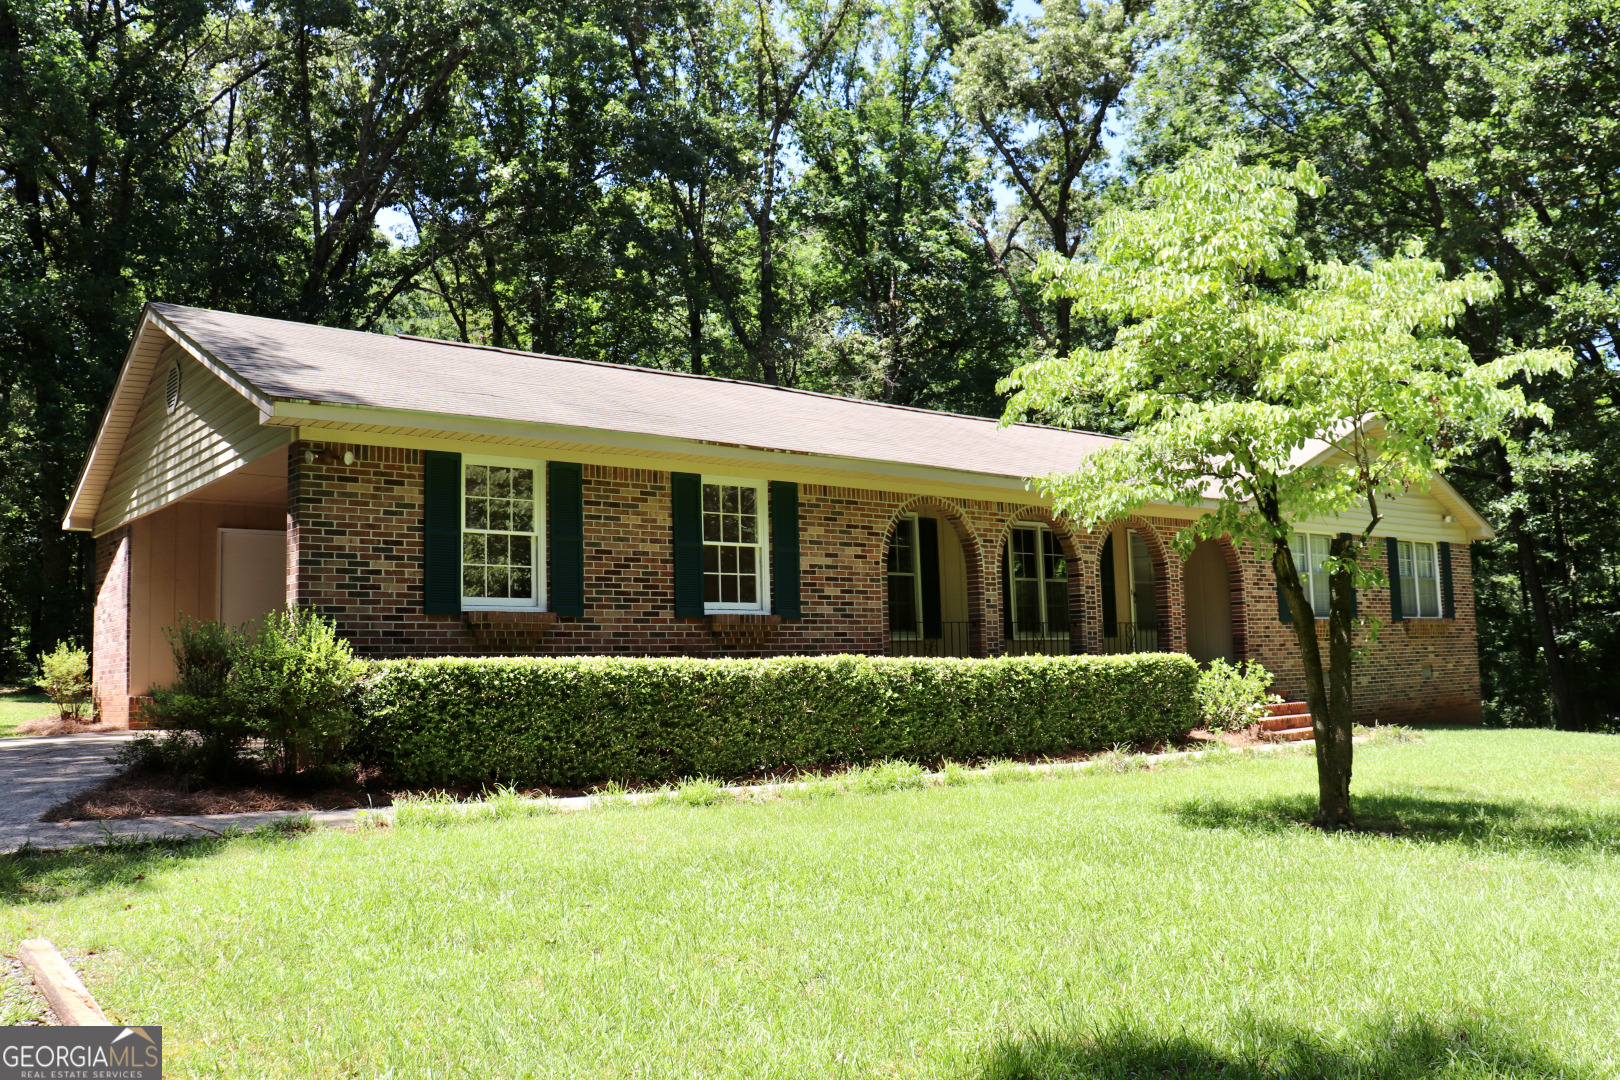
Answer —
(171, 388)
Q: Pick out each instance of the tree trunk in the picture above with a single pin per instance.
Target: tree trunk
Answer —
(1566, 710)
(1329, 717)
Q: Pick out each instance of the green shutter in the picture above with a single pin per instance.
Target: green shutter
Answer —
(1355, 595)
(1392, 549)
(1448, 598)
(565, 537)
(1110, 602)
(928, 567)
(686, 512)
(785, 549)
(441, 503)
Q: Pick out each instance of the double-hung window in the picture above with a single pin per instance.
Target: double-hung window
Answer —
(734, 545)
(905, 583)
(1420, 584)
(1310, 551)
(1039, 580)
(501, 562)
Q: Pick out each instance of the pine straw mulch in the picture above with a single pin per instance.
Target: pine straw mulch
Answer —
(137, 795)
(142, 794)
(55, 725)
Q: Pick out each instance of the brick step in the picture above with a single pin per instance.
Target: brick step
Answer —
(1296, 734)
(1288, 708)
(1285, 723)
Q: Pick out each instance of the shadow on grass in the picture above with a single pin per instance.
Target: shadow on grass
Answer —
(1420, 1050)
(34, 876)
(1430, 817)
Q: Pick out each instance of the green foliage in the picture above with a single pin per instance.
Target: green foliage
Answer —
(297, 681)
(1233, 696)
(291, 689)
(568, 722)
(65, 678)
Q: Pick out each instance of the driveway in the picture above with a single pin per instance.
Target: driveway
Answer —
(36, 774)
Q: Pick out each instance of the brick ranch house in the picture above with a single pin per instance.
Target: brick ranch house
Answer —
(437, 498)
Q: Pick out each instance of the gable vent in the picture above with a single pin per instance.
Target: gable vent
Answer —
(171, 388)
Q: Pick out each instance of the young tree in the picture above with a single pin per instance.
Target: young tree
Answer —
(1237, 361)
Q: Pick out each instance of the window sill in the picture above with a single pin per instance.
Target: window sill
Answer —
(741, 624)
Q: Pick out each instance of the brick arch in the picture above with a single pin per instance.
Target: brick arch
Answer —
(1079, 548)
(1237, 593)
(1163, 594)
(972, 555)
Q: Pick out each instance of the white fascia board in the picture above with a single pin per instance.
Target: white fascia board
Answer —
(209, 361)
(99, 447)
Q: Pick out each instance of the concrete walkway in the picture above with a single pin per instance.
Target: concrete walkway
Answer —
(38, 773)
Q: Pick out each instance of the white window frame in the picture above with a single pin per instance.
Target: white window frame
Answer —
(538, 550)
(1308, 576)
(1407, 559)
(1046, 633)
(762, 508)
(908, 520)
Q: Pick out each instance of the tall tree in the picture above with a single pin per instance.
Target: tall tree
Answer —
(1488, 131)
(1234, 353)
(1043, 91)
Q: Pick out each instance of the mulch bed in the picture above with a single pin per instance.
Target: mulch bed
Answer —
(137, 795)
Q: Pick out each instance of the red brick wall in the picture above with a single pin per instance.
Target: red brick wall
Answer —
(109, 642)
(1390, 683)
(356, 554)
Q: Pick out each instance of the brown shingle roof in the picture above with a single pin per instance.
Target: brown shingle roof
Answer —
(287, 360)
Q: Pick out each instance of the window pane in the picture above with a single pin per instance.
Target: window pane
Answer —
(900, 548)
(497, 578)
(477, 514)
(748, 496)
(500, 482)
(902, 604)
(728, 560)
(522, 582)
(1027, 604)
(477, 480)
(748, 589)
(472, 581)
(728, 528)
(745, 560)
(523, 484)
(472, 548)
(1405, 549)
(711, 527)
(500, 514)
(728, 588)
(497, 550)
(1056, 566)
(1057, 606)
(750, 523)
(523, 516)
(1320, 594)
(521, 546)
(711, 588)
(1321, 548)
(1023, 553)
(728, 499)
(711, 498)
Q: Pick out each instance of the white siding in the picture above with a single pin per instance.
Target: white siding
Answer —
(1413, 516)
(167, 455)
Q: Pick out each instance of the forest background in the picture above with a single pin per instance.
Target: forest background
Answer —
(840, 195)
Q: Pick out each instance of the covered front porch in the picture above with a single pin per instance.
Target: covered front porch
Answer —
(1118, 592)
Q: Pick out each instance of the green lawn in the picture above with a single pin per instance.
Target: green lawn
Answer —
(1167, 923)
(19, 704)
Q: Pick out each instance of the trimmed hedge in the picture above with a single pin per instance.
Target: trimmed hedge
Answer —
(573, 721)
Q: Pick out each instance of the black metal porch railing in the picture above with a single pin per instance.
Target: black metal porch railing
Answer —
(1130, 638)
(1044, 639)
(955, 639)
